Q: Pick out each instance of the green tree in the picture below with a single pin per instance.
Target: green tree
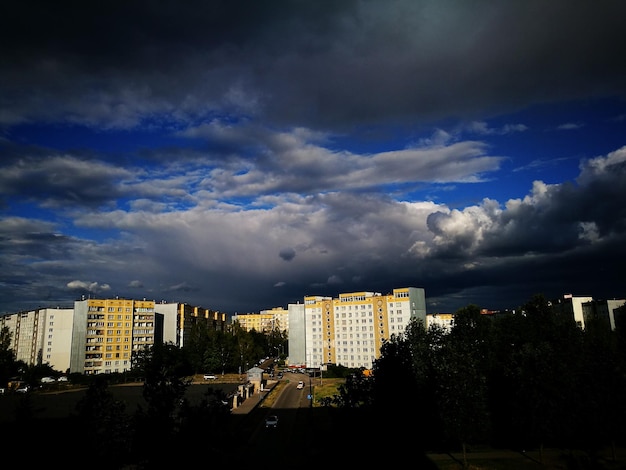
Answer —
(165, 369)
(106, 428)
(8, 366)
(545, 369)
(461, 378)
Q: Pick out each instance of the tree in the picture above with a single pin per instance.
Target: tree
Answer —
(8, 367)
(105, 427)
(461, 378)
(165, 369)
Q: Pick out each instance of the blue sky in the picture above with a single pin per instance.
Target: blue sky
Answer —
(240, 155)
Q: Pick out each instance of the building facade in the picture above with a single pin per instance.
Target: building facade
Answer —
(107, 331)
(602, 311)
(41, 336)
(350, 330)
(180, 318)
(572, 306)
(445, 321)
(264, 321)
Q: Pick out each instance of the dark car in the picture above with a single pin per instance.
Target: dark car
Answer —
(271, 421)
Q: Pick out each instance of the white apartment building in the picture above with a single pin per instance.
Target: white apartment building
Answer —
(445, 321)
(41, 336)
(349, 330)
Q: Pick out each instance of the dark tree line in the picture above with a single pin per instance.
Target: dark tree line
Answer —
(521, 380)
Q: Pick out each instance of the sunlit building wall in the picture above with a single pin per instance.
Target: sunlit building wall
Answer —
(349, 330)
(445, 321)
(571, 306)
(107, 331)
(41, 336)
(264, 321)
(296, 336)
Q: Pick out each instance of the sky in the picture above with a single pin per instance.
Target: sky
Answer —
(241, 155)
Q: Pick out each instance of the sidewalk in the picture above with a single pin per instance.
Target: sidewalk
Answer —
(252, 401)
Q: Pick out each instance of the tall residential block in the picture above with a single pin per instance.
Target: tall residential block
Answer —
(350, 330)
(107, 331)
(41, 336)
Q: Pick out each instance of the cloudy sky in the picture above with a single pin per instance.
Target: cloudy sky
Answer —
(239, 155)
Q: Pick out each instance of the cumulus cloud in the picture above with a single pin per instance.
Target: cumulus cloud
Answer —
(88, 286)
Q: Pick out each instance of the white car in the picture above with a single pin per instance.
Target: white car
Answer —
(209, 377)
(300, 385)
(47, 380)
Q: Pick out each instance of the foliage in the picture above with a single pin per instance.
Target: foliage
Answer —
(106, 428)
(526, 378)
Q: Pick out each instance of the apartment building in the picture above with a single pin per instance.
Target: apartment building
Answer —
(571, 306)
(602, 311)
(445, 321)
(264, 321)
(41, 336)
(107, 331)
(350, 329)
(179, 319)
(99, 335)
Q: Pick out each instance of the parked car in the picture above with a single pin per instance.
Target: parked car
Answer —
(23, 389)
(62, 379)
(209, 377)
(47, 380)
(271, 421)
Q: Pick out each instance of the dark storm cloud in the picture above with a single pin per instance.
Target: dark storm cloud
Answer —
(566, 234)
(287, 254)
(267, 110)
(305, 62)
(62, 181)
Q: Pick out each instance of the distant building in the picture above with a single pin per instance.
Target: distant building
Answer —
(264, 321)
(443, 320)
(180, 318)
(41, 336)
(571, 306)
(602, 311)
(349, 330)
(98, 336)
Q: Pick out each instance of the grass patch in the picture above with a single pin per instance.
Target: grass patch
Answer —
(321, 389)
(325, 388)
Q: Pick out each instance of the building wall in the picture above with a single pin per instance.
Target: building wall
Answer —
(99, 335)
(264, 321)
(442, 320)
(296, 336)
(180, 318)
(602, 310)
(41, 336)
(350, 329)
(572, 306)
(57, 338)
(107, 331)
